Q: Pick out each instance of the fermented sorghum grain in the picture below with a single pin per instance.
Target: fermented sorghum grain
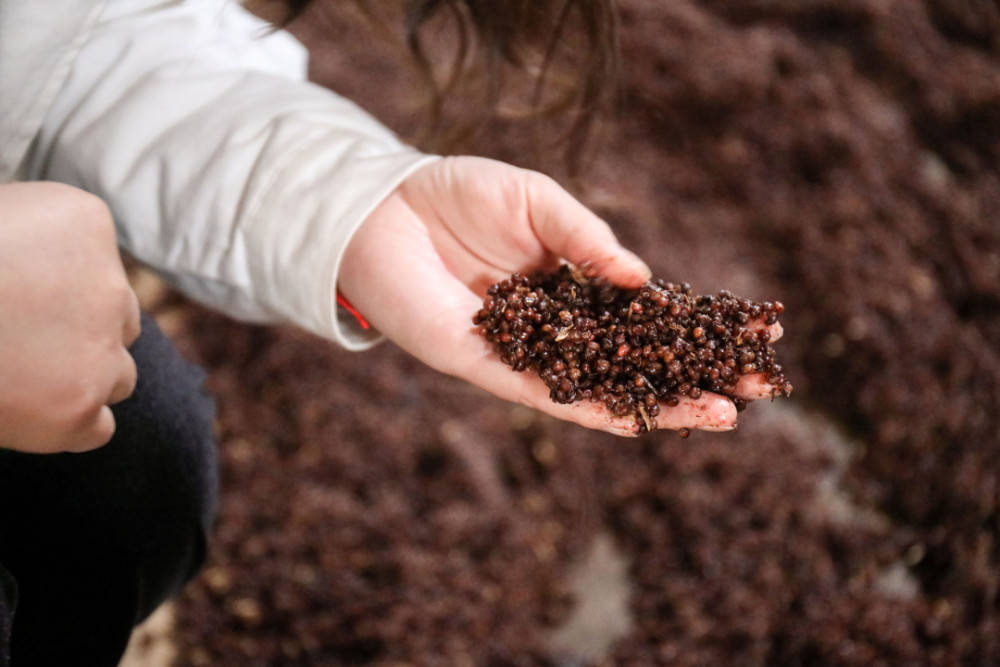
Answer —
(631, 349)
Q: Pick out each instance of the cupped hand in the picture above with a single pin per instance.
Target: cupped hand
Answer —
(67, 314)
(419, 266)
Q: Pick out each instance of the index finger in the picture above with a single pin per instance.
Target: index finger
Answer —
(572, 231)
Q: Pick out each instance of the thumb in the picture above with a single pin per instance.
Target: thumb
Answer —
(570, 230)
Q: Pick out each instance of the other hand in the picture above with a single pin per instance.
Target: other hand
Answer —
(67, 315)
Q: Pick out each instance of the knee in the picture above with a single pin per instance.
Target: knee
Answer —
(165, 436)
(164, 431)
(165, 439)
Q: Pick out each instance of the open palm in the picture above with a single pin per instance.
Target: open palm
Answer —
(419, 267)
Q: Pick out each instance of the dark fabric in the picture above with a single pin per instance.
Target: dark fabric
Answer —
(8, 600)
(96, 541)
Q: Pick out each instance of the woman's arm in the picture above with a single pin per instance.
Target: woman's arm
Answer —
(67, 315)
(223, 167)
(245, 184)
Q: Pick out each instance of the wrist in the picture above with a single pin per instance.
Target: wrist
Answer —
(358, 317)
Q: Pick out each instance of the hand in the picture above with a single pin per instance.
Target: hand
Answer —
(67, 314)
(419, 266)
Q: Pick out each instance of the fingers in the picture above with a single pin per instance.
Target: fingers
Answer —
(477, 363)
(570, 230)
(775, 330)
(710, 412)
(133, 326)
(126, 380)
(754, 387)
(535, 395)
(127, 373)
(96, 434)
(96, 425)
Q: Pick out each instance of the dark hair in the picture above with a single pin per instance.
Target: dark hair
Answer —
(529, 36)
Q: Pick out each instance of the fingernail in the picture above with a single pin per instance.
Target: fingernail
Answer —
(718, 428)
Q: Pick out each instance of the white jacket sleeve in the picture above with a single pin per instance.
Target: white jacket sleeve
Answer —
(225, 170)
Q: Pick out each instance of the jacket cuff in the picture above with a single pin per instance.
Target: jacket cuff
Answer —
(302, 226)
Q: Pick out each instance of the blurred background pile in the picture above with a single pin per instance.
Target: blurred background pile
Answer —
(842, 156)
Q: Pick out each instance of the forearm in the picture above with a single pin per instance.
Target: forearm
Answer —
(224, 168)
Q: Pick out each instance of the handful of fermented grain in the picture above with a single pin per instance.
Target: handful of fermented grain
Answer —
(630, 349)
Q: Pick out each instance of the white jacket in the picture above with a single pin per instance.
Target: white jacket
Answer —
(224, 168)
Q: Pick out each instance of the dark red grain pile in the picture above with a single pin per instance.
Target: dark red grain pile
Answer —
(839, 155)
(629, 349)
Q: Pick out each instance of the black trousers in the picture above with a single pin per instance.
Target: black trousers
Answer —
(91, 544)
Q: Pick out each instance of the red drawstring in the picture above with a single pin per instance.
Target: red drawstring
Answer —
(353, 311)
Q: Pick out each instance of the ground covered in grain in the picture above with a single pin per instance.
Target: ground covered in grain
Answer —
(842, 156)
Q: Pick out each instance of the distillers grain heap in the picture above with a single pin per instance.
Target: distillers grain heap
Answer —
(630, 349)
